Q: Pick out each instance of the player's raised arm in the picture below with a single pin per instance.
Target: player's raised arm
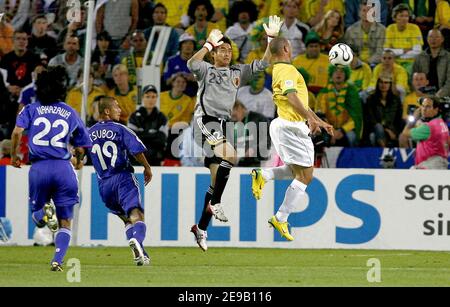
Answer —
(212, 42)
(272, 30)
(140, 157)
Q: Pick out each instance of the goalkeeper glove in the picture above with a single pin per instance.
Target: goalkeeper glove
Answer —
(213, 40)
(273, 28)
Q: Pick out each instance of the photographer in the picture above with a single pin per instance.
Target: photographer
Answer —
(431, 133)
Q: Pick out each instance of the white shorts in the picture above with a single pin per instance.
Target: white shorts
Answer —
(292, 142)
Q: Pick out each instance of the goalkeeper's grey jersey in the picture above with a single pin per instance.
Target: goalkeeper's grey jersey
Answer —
(217, 87)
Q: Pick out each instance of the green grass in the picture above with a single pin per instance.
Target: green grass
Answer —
(106, 266)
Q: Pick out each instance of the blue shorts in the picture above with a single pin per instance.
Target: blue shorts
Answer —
(120, 193)
(53, 180)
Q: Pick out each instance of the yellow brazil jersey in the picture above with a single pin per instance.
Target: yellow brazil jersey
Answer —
(400, 76)
(286, 79)
(443, 14)
(405, 39)
(177, 109)
(361, 77)
(75, 97)
(127, 102)
(310, 8)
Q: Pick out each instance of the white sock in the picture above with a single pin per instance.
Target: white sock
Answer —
(291, 199)
(281, 173)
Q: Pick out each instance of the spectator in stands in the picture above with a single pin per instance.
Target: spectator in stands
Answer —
(40, 43)
(150, 126)
(119, 19)
(178, 63)
(442, 20)
(125, 93)
(75, 95)
(6, 36)
(435, 62)
(411, 102)
(403, 37)
(5, 152)
(330, 30)
(314, 62)
(389, 67)
(251, 135)
(200, 12)
(177, 16)
(383, 115)
(422, 13)
(432, 135)
(243, 15)
(19, 64)
(341, 105)
(7, 110)
(76, 27)
(159, 17)
(103, 60)
(28, 93)
(313, 12)
(221, 10)
(361, 73)
(133, 58)
(256, 98)
(178, 109)
(145, 14)
(18, 11)
(293, 29)
(366, 35)
(353, 12)
(70, 59)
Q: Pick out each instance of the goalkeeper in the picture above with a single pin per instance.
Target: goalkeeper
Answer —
(218, 84)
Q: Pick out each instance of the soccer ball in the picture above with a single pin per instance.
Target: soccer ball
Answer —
(340, 54)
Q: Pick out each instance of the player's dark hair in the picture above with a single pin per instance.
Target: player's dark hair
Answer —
(225, 40)
(105, 102)
(51, 85)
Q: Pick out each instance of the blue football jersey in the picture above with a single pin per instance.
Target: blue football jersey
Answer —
(111, 144)
(50, 130)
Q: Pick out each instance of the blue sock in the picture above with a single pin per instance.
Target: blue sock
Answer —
(129, 231)
(139, 230)
(38, 218)
(62, 240)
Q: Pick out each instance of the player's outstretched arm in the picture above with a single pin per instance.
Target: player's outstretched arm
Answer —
(272, 31)
(15, 139)
(140, 157)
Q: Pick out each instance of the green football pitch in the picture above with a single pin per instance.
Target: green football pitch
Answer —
(233, 267)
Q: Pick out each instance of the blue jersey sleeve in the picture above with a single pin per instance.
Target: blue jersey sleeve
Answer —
(23, 119)
(80, 136)
(132, 142)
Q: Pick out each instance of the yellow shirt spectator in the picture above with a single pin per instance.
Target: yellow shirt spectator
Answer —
(177, 109)
(400, 76)
(443, 13)
(223, 7)
(311, 8)
(316, 68)
(175, 9)
(287, 79)
(127, 102)
(410, 100)
(361, 76)
(75, 98)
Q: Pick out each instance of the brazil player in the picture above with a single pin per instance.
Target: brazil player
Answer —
(119, 189)
(52, 124)
(218, 85)
(290, 134)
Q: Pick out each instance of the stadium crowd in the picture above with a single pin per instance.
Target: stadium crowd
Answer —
(401, 53)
